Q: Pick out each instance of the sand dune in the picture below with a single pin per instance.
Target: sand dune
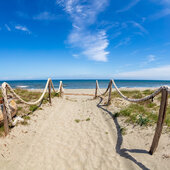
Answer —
(78, 133)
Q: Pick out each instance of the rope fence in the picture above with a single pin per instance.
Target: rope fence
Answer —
(164, 90)
(7, 110)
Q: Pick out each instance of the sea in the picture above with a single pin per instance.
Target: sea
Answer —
(85, 84)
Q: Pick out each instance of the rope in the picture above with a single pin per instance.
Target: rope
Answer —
(133, 100)
(100, 90)
(53, 86)
(142, 99)
(6, 86)
(61, 89)
(23, 101)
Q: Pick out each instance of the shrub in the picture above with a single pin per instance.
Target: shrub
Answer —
(142, 120)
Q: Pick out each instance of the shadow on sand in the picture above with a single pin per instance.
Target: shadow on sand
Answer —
(123, 152)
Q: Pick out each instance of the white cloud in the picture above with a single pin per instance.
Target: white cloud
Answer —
(76, 27)
(151, 58)
(92, 43)
(129, 6)
(137, 25)
(45, 16)
(157, 73)
(163, 13)
(163, 2)
(22, 28)
(7, 27)
(123, 42)
(116, 34)
(75, 55)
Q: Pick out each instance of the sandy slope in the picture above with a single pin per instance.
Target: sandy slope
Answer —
(53, 140)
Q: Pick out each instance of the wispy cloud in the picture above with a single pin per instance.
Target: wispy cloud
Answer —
(129, 6)
(116, 34)
(157, 73)
(92, 43)
(162, 13)
(75, 55)
(22, 28)
(123, 42)
(147, 60)
(22, 15)
(7, 27)
(139, 26)
(151, 58)
(45, 16)
(167, 44)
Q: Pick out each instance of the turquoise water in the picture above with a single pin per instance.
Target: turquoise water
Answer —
(85, 84)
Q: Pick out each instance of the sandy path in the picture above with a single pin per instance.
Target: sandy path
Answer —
(54, 140)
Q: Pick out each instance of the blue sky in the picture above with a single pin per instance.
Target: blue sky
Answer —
(122, 39)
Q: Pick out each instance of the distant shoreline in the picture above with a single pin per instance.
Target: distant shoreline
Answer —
(87, 84)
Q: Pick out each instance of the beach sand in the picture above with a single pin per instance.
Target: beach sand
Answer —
(79, 133)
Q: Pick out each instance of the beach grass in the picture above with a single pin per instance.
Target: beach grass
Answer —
(129, 93)
(24, 110)
(143, 113)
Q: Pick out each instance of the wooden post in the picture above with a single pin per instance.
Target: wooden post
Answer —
(6, 126)
(61, 88)
(161, 118)
(96, 89)
(110, 92)
(49, 92)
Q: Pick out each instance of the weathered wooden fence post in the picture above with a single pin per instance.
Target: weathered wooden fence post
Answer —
(61, 88)
(96, 89)
(110, 93)
(49, 92)
(161, 118)
(6, 126)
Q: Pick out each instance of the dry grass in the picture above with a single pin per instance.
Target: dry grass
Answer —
(143, 114)
(24, 110)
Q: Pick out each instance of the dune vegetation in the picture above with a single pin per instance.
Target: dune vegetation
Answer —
(143, 113)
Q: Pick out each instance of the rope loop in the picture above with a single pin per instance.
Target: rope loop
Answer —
(6, 86)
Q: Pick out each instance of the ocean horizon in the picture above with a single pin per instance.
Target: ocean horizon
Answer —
(85, 83)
